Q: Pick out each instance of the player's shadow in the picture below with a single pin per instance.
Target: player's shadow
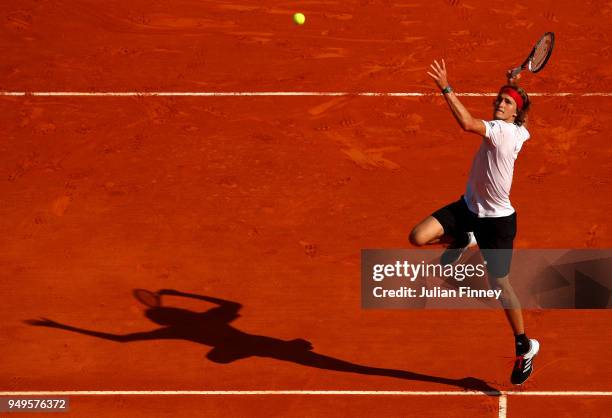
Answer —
(212, 328)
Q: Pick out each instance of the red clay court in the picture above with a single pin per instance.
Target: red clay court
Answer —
(264, 202)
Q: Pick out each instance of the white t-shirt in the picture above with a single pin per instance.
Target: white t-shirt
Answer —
(488, 187)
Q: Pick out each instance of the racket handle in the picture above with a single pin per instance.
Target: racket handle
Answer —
(516, 71)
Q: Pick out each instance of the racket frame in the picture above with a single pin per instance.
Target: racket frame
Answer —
(526, 65)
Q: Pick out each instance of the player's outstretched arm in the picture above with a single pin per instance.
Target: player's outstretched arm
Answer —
(461, 114)
(121, 338)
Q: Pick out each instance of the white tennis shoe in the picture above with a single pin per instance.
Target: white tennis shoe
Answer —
(523, 365)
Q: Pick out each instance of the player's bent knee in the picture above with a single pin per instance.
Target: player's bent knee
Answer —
(426, 232)
(417, 238)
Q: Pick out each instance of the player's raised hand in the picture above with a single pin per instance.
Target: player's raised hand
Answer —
(512, 80)
(439, 74)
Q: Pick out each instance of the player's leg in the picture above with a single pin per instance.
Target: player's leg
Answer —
(525, 348)
(511, 304)
(446, 225)
(495, 237)
(451, 224)
(428, 231)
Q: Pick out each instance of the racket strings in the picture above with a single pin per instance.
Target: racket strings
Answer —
(542, 51)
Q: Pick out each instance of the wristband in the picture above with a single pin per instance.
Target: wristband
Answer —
(447, 90)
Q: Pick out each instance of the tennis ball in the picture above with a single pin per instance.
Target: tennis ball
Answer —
(299, 18)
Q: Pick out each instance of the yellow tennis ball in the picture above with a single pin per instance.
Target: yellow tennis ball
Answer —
(299, 18)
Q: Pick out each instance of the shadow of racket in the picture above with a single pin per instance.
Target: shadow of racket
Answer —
(147, 298)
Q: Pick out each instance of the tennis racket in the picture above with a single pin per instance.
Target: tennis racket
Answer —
(539, 55)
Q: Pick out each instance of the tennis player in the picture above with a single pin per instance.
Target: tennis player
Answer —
(484, 215)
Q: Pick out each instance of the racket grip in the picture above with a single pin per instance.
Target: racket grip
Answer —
(516, 71)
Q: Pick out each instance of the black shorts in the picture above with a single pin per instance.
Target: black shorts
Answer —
(495, 236)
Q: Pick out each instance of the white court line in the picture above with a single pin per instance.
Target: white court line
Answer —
(503, 406)
(270, 93)
(300, 392)
(247, 392)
